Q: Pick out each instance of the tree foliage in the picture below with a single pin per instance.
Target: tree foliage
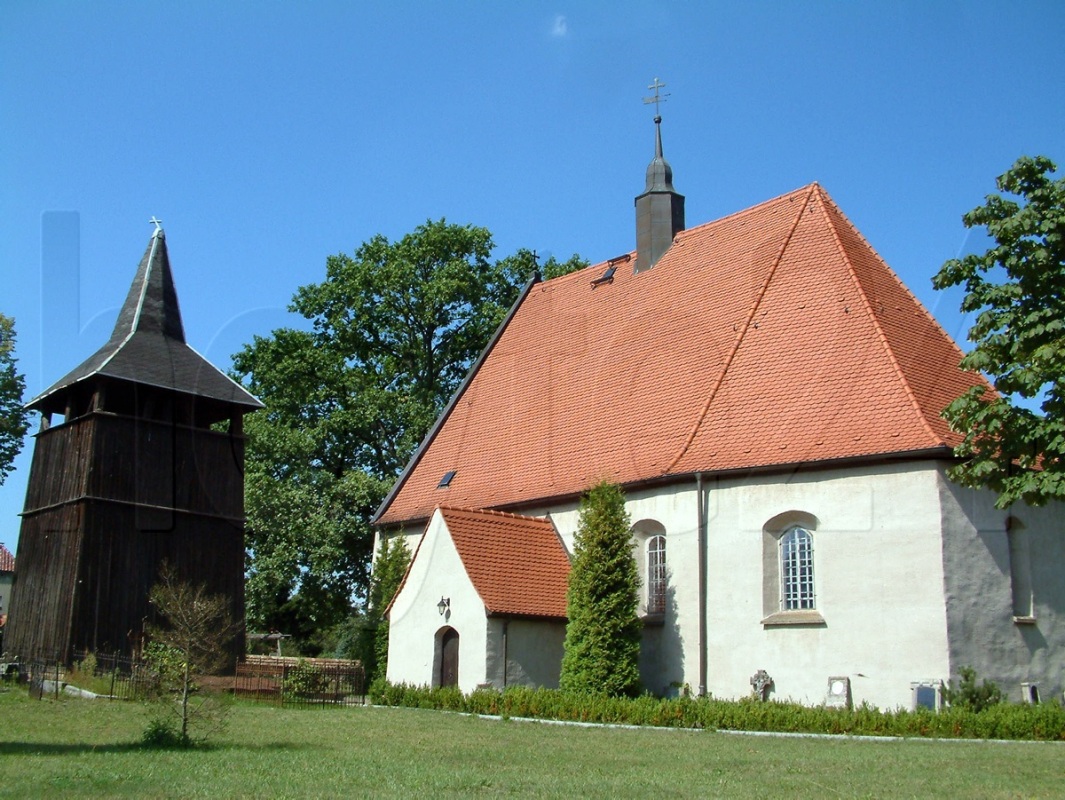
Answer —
(602, 647)
(14, 419)
(393, 330)
(970, 695)
(389, 567)
(191, 640)
(1017, 291)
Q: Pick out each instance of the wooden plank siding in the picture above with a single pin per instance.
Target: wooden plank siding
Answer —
(111, 497)
(125, 459)
(43, 598)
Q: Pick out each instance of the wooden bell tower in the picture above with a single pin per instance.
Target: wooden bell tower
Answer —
(139, 459)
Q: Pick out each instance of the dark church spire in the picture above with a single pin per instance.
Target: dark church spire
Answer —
(147, 346)
(660, 209)
(152, 303)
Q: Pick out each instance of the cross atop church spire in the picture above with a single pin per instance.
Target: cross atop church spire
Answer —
(657, 99)
(660, 209)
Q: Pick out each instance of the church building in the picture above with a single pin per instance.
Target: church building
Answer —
(767, 392)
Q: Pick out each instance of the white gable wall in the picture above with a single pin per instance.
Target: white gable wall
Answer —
(878, 584)
(415, 622)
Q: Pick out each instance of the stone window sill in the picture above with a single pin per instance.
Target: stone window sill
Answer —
(1026, 620)
(787, 619)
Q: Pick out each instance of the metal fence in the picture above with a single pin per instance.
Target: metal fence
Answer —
(300, 681)
(101, 675)
(272, 679)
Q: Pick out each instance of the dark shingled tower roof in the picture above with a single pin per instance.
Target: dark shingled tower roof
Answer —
(148, 345)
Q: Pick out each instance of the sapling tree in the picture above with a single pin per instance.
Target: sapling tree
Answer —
(191, 639)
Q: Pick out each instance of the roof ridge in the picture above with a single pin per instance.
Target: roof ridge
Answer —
(747, 211)
(743, 331)
(881, 335)
(902, 284)
(140, 303)
(686, 232)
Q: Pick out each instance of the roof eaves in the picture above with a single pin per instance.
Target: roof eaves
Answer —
(518, 615)
(433, 431)
(251, 400)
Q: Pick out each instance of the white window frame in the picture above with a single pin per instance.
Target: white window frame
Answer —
(657, 576)
(789, 588)
(797, 570)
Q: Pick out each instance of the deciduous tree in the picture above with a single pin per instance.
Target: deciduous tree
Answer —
(14, 419)
(602, 647)
(394, 329)
(1017, 291)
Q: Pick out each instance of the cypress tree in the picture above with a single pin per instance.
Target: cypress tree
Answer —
(602, 646)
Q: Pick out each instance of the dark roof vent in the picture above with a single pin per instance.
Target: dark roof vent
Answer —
(611, 268)
(606, 277)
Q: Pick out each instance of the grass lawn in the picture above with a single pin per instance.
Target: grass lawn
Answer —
(88, 748)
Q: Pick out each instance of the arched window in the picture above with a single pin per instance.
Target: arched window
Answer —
(656, 575)
(649, 550)
(796, 569)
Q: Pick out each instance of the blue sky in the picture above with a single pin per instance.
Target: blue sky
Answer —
(269, 135)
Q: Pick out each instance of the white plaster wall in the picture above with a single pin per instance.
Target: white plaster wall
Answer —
(895, 547)
(533, 652)
(669, 655)
(983, 633)
(414, 620)
(878, 584)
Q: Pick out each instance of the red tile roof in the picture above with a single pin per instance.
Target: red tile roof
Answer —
(7, 561)
(772, 337)
(517, 564)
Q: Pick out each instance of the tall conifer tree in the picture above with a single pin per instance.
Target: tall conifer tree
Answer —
(602, 647)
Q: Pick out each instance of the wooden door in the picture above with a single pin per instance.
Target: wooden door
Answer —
(449, 658)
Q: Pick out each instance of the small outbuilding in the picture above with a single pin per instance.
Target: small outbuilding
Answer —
(483, 603)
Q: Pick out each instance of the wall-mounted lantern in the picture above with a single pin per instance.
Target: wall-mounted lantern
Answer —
(444, 606)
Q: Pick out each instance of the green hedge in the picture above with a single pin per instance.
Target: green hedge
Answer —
(1003, 721)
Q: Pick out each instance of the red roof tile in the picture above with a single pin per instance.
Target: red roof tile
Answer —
(774, 336)
(517, 564)
(7, 561)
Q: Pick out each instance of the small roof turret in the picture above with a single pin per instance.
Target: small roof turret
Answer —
(660, 209)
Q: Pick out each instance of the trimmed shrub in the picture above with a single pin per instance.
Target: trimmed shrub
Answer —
(1002, 721)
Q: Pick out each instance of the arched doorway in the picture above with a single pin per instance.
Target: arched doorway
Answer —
(449, 658)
